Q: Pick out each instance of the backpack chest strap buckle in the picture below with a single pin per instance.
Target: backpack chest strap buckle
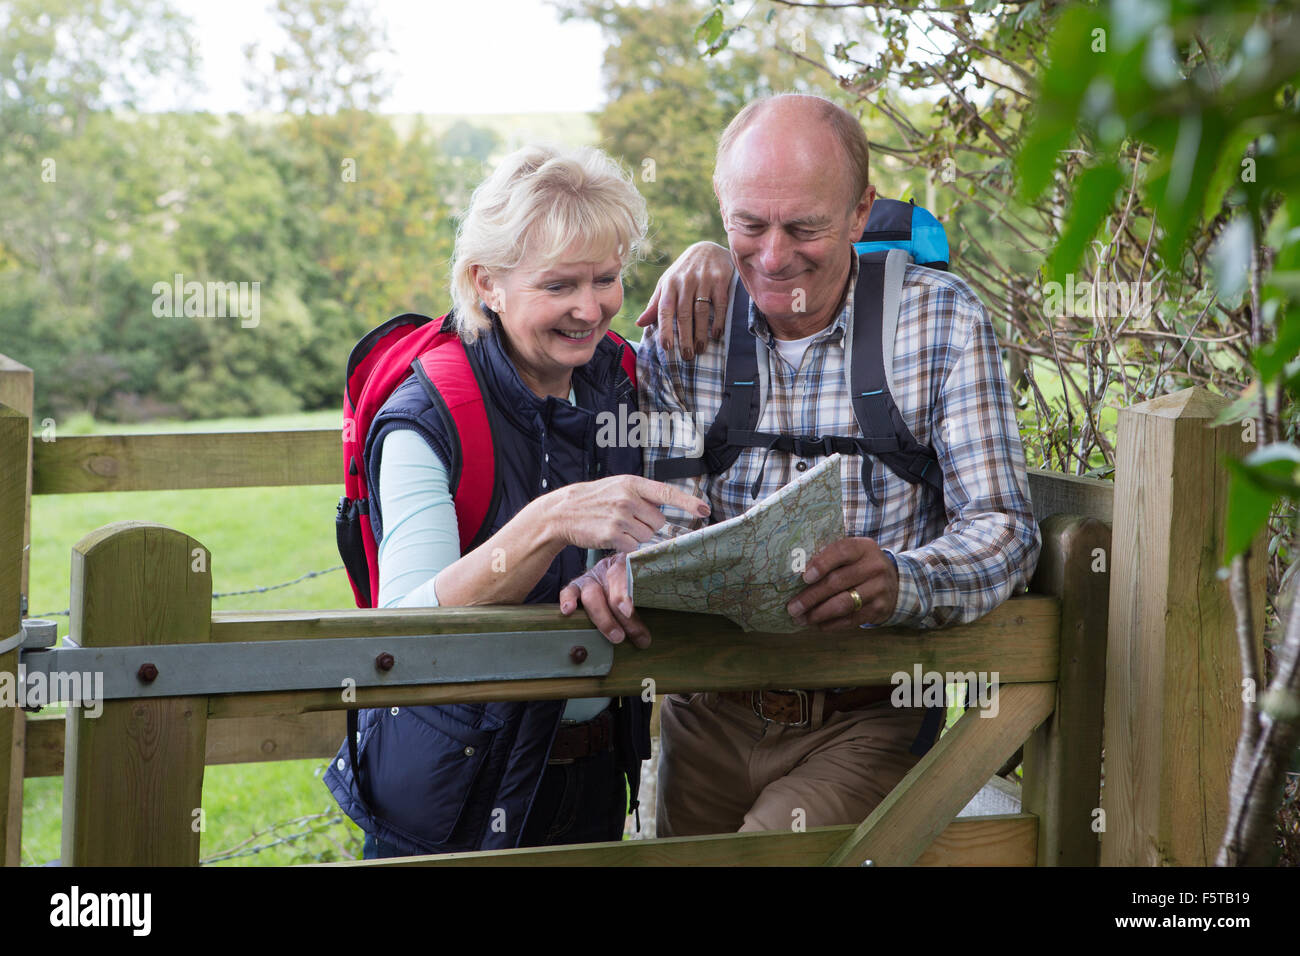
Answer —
(808, 446)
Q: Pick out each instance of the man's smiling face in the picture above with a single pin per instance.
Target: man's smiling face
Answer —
(785, 195)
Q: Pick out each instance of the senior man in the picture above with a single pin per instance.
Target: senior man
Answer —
(792, 184)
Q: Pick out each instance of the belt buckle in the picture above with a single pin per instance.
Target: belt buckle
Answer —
(805, 710)
(560, 761)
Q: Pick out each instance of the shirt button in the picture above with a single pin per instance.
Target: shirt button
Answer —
(469, 751)
(543, 482)
(340, 764)
(394, 711)
(801, 466)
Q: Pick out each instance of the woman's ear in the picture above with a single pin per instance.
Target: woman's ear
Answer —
(488, 290)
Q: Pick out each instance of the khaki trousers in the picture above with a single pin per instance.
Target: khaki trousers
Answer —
(724, 769)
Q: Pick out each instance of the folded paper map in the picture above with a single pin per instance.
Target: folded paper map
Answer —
(750, 567)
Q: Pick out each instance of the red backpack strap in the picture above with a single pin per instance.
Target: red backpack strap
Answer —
(446, 368)
(376, 366)
(627, 357)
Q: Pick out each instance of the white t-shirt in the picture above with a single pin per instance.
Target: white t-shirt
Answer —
(792, 350)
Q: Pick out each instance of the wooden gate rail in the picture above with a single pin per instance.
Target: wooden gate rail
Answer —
(1001, 840)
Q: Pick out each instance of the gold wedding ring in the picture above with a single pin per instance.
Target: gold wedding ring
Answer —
(857, 599)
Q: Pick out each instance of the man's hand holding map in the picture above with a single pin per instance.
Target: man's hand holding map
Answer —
(747, 568)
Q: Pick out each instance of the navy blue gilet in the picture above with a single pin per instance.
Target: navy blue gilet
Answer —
(461, 777)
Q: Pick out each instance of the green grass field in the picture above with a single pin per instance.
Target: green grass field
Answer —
(257, 537)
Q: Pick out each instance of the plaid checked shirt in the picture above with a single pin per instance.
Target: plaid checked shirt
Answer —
(950, 386)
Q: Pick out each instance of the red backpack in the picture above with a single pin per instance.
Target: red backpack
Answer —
(379, 363)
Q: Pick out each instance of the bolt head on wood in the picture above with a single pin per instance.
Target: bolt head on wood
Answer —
(385, 661)
(577, 654)
(147, 673)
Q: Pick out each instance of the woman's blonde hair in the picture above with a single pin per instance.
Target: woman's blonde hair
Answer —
(578, 205)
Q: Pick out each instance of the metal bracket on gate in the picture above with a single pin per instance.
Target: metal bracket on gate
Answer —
(174, 670)
(34, 632)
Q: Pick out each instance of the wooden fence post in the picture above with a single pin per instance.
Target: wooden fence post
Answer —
(1062, 760)
(17, 390)
(15, 458)
(133, 776)
(1173, 672)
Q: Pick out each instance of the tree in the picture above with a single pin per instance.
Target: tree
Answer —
(73, 177)
(465, 141)
(1212, 96)
(331, 59)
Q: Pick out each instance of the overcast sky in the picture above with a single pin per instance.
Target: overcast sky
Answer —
(452, 56)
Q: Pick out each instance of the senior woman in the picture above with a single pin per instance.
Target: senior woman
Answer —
(536, 280)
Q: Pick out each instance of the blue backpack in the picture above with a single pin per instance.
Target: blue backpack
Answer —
(896, 233)
(907, 226)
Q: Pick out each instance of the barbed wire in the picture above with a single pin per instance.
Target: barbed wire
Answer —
(254, 590)
(272, 587)
(329, 818)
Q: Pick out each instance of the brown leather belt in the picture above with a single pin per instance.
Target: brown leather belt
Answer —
(575, 741)
(794, 707)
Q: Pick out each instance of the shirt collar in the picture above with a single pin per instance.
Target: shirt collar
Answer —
(758, 322)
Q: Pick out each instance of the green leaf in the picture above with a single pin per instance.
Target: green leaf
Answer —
(710, 28)
(1030, 11)
(1038, 154)
(1094, 194)
(1273, 358)
(1227, 172)
(1230, 261)
(1194, 153)
(1242, 407)
(1254, 485)
(1072, 64)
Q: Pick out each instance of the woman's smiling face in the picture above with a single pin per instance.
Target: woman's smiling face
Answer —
(554, 316)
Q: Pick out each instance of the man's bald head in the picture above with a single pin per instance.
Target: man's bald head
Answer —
(796, 122)
(793, 206)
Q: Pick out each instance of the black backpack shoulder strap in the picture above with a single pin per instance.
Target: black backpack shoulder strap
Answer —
(868, 387)
(875, 320)
(741, 397)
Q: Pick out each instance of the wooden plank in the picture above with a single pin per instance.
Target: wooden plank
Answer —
(1052, 492)
(925, 801)
(994, 840)
(44, 745)
(133, 776)
(1062, 760)
(258, 739)
(234, 740)
(976, 841)
(1024, 611)
(17, 385)
(14, 443)
(690, 653)
(79, 463)
(1173, 674)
